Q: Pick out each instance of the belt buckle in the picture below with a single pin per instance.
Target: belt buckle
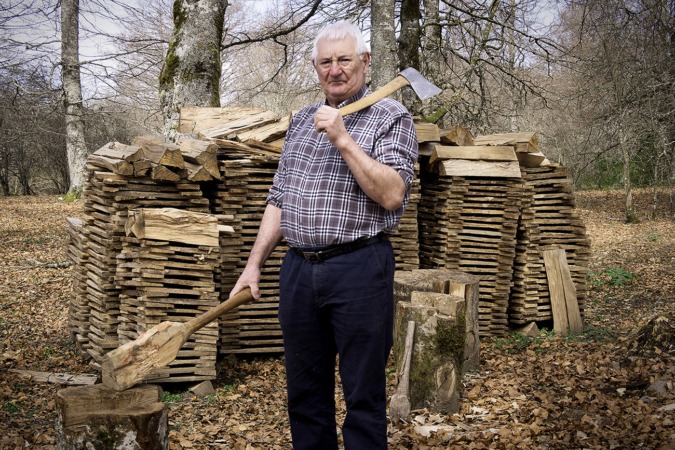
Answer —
(313, 257)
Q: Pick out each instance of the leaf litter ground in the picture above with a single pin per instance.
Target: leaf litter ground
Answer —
(591, 391)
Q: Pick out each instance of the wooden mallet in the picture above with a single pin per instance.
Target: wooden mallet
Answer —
(157, 347)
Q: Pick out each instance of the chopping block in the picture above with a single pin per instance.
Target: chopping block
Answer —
(96, 416)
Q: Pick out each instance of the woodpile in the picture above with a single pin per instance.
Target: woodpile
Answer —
(548, 221)
(253, 328)
(491, 208)
(108, 197)
(166, 273)
(487, 207)
(78, 312)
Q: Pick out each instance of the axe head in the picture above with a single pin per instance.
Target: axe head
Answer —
(422, 87)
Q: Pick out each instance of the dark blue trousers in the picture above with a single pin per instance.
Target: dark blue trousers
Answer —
(339, 307)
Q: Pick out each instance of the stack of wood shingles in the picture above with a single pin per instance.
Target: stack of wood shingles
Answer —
(468, 220)
(77, 310)
(120, 178)
(253, 327)
(166, 273)
(250, 142)
(548, 222)
(484, 203)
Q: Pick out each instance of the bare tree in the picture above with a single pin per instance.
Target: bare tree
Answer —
(76, 148)
(620, 80)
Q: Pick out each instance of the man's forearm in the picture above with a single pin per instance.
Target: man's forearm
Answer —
(269, 235)
(380, 182)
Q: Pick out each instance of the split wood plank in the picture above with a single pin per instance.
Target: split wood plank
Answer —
(457, 136)
(159, 152)
(68, 379)
(117, 150)
(194, 119)
(225, 145)
(200, 152)
(427, 132)
(524, 142)
(231, 129)
(160, 172)
(533, 159)
(473, 153)
(195, 172)
(563, 293)
(118, 166)
(468, 168)
(173, 225)
(266, 133)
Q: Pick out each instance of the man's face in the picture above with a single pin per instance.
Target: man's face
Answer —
(340, 70)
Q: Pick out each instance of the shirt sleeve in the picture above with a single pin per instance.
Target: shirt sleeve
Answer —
(275, 195)
(396, 145)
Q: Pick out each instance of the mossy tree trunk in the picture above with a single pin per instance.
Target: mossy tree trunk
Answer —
(191, 72)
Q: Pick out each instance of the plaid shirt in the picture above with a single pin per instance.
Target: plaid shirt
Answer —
(320, 200)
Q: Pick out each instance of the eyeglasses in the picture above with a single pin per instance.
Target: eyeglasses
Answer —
(342, 61)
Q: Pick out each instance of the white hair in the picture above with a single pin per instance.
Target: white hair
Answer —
(341, 30)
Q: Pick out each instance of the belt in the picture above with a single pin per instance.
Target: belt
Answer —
(322, 254)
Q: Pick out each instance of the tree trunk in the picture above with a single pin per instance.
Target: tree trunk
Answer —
(408, 48)
(432, 41)
(432, 58)
(76, 147)
(625, 153)
(511, 45)
(191, 72)
(383, 43)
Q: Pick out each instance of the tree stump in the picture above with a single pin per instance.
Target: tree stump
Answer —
(659, 333)
(452, 282)
(438, 349)
(97, 417)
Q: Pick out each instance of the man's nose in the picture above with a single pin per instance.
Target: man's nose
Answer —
(335, 68)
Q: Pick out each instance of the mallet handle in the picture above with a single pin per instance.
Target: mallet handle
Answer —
(241, 298)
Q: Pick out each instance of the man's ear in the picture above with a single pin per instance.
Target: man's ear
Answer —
(366, 59)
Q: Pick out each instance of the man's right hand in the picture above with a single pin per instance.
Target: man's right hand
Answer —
(250, 277)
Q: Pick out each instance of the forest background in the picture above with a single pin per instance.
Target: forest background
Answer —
(595, 79)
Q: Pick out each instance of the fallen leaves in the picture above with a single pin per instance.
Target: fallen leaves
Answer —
(590, 391)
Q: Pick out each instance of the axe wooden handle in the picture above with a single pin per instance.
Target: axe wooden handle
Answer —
(369, 100)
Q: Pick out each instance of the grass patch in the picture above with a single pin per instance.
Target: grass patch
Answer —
(612, 276)
(595, 334)
(519, 342)
(168, 397)
(12, 407)
(33, 241)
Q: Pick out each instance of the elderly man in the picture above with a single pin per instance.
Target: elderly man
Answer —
(340, 190)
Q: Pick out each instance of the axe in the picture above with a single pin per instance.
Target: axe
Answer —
(410, 77)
